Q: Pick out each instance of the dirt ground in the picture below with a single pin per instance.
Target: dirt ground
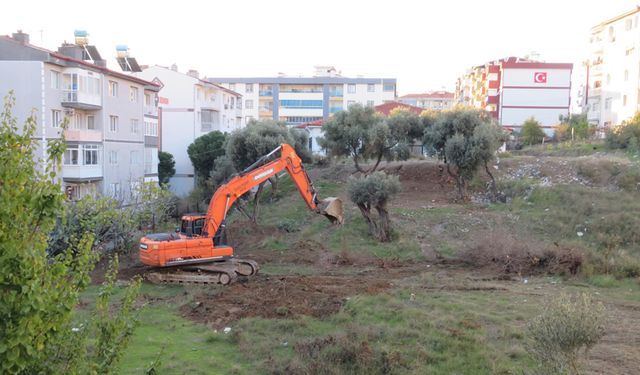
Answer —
(337, 277)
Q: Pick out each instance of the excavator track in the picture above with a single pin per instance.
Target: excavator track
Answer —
(224, 272)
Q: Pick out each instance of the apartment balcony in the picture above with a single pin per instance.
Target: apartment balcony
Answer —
(265, 93)
(81, 100)
(83, 135)
(336, 94)
(335, 109)
(150, 110)
(82, 172)
(238, 112)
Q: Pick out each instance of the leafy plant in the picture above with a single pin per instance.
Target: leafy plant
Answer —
(166, 167)
(465, 139)
(374, 192)
(39, 293)
(562, 335)
(531, 132)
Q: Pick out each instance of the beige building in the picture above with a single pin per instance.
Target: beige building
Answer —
(106, 113)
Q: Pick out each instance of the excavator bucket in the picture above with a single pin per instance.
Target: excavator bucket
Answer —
(332, 209)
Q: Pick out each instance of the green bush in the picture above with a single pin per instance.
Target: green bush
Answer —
(624, 136)
(532, 132)
(375, 191)
(562, 335)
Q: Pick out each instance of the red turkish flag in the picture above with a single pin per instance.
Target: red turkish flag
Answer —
(540, 77)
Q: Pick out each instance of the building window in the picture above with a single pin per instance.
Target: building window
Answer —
(71, 155)
(90, 154)
(133, 94)
(294, 103)
(371, 87)
(351, 89)
(55, 80)
(134, 157)
(76, 122)
(232, 86)
(370, 103)
(389, 87)
(114, 189)
(56, 118)
(113, 88)
(113, 157)
(350, 103)
(151, 128)
(113, 124)
(91, 122)
(147, 99)
(628, 24)
(206, 121)
(249, 88)
(134, 126)
(248, 104)
(607, 103)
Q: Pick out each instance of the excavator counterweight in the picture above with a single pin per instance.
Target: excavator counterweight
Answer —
(198, 252)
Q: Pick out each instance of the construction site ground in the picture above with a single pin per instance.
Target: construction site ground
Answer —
(415, 305)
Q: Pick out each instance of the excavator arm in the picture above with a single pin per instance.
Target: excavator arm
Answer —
(259, 172)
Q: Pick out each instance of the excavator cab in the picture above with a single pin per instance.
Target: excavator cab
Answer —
(192, 225)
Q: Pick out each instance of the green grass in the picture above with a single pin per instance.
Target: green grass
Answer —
(435, 333)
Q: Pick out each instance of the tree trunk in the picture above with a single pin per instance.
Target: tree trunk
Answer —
(493, 188)
(256, 204)
(242, 208)
(366, 213)
(275, 180)
(377, 163)
(459, 182)
(384, 225)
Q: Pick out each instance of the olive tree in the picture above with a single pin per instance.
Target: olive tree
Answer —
(362, 134)
(247, 145)
(465, 139)
(39, 293)
(374, 191)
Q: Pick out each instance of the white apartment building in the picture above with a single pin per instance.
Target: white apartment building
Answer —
(436, 100)
(514, 89)
(105, 112)
(611, 93)
(299, 100)
(190, 107)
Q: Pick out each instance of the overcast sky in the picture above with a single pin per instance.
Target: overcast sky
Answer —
(426, 45)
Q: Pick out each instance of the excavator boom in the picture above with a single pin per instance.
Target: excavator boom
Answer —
(201, 240)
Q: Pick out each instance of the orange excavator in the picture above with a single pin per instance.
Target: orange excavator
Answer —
(198, 253)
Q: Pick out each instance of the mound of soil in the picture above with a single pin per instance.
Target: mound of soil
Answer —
(280, 297)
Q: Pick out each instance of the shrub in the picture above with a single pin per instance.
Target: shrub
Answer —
(344, 353)
(625, 135)
(374, 191)
(565, 331)
(532, 132)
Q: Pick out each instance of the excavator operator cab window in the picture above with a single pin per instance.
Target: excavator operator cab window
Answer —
(185, 228)
(197, 227)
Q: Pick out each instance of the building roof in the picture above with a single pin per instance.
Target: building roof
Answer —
(201, 81)
(617, 18)
(55, 57)
(429, 95)
(313, 124)
(302, 80)
(386, 108)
